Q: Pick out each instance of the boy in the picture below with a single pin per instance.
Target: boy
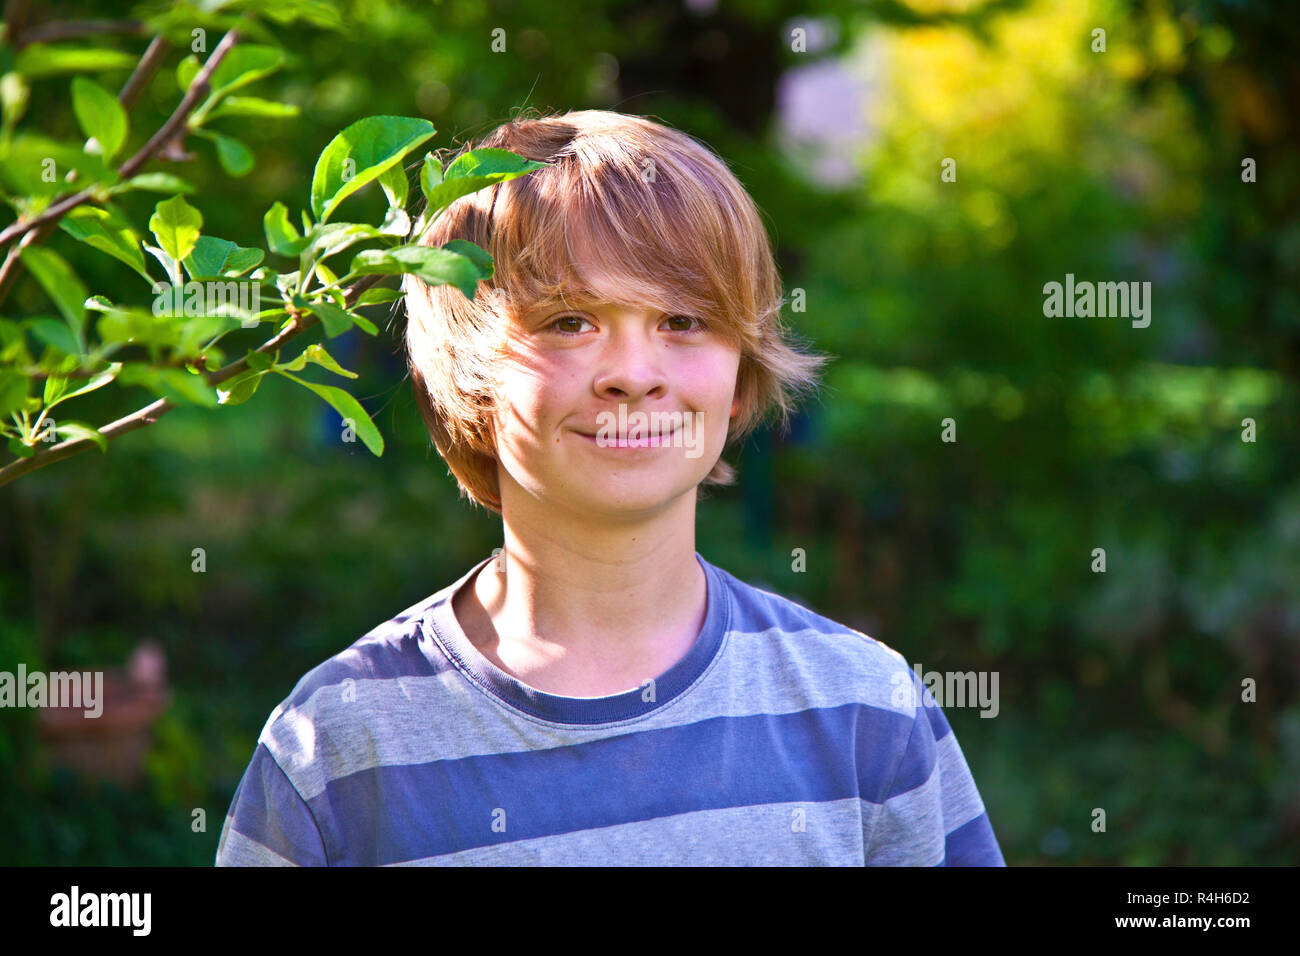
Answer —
(599, 693)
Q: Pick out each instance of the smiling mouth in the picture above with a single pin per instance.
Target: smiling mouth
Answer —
(623, 441)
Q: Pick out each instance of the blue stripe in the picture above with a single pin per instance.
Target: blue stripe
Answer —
(268, 810)
(973, 845)
(392, 814)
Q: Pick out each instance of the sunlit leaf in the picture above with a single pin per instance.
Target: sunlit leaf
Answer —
(176, 224)
(99, 114)
(361, 153)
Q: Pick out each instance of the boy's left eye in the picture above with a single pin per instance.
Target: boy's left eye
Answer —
(696, 325)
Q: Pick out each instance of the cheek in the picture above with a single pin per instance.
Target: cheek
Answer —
(719, 379)
(534, 391)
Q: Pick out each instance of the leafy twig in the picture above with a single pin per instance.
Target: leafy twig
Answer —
(197, 90)
(154, 411)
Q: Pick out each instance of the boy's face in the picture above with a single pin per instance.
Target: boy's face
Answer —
(612, 409)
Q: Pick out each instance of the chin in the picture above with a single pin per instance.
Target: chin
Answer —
(615, 495)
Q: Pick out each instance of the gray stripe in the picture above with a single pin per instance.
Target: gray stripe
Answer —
(235, 849)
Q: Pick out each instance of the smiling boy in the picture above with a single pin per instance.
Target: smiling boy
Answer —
(599, 693)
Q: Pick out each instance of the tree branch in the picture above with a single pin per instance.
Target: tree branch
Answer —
(68, 29)
(198, 89)
(141, 76)
(156, 410)
(16, 14)
(144, 71)
(9, 271)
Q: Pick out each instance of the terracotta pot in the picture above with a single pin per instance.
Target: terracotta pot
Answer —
(113, 745)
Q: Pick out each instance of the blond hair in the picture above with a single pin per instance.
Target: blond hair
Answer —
(660, 210)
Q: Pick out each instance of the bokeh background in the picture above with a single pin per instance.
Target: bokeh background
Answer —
(1120, 691)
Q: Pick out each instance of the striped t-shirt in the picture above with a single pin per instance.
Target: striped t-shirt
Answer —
(780, 738)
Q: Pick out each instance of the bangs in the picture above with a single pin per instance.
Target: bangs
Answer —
(604, 234)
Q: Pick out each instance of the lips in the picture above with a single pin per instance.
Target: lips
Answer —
(623, 441)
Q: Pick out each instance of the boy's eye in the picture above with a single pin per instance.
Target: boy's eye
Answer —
(695, 324)
(571, 324)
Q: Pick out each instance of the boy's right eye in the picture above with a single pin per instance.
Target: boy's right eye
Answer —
(568, 329)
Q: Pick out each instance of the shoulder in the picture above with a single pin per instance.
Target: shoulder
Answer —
(341, 702)
(766, 625)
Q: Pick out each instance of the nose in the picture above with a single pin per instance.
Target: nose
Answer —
(631, 367)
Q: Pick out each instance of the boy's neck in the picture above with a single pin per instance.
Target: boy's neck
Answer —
(594, 614)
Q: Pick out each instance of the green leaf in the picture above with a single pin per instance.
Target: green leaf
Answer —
(39, 59)
(240, 389)
(137, 326)
(375, 296)
(55, 333)
(213, 258)
(259, 361)
(476, 254)
(14, 96)
(208, 257)
(364, 324)
(329, 277)
(100, 115)
(334, 237)
(243, 65)
(186, 71)
(254, 106)
(54, 386)
(176, 225)
(430, 175)
(473, 171)
(348, 408)
(287, 282)
(69, 429)
(60, 284)
(235, 157)
(242, 259)
(317, 354)
(394, 183)
(108, 231)
(155, 183)
(361, 153)
(32, 165)
(434, 266)
(281, 236)
(316, 12)
(199, 329)
(336, 320)
(20, 449)
(173, 384)
(96, 381)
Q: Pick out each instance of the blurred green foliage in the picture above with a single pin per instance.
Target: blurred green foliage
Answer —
(1119, 690)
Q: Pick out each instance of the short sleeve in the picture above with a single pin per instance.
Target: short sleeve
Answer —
(932, 814)
(269, 823)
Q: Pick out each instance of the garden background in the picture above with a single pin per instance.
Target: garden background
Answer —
(1120, 690)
